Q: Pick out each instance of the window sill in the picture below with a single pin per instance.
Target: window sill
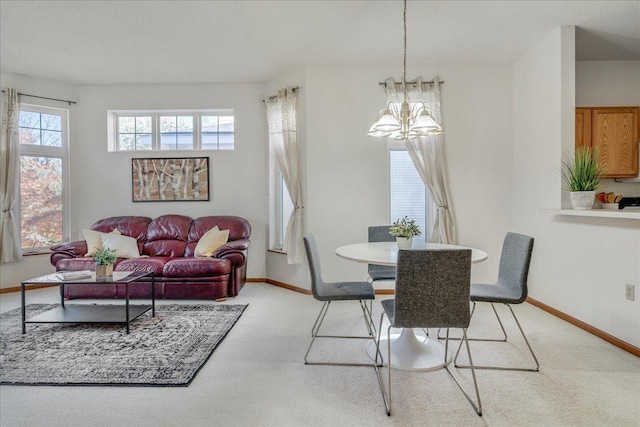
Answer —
(32, 252)
(277, 251)
(598, 213)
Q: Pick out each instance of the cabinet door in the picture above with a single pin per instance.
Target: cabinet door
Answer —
(583, 127)
(614, 133)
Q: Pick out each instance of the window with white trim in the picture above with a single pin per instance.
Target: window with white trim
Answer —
(284, 209)
(171, 130)
(44, 183)
(407, 193)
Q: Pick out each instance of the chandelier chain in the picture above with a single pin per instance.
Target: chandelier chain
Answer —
(404, 76)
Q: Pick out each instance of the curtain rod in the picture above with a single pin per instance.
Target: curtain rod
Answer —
(44, 97)
(414, 84)
(271, 98)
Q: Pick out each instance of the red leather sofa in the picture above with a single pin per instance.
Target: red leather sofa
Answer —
(167, 244)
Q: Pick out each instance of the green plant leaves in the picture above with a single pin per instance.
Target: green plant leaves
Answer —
(105, 256)
(405, 227)
(582, 173)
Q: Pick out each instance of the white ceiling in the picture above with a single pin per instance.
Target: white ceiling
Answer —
(105, 42)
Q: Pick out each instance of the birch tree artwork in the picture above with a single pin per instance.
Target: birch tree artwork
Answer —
(170, 179)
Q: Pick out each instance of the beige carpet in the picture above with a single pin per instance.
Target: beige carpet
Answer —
(257, 377)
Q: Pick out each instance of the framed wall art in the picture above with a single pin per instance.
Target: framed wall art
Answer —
(170, 179)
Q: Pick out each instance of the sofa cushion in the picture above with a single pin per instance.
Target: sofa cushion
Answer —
(154, 264)
(167, 236)
(76, 264)
(239, 228)
(196, 267)
(94, 240)
(125, 246)
(211, 241)
(134, 226)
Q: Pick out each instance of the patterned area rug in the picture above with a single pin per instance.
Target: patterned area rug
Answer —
(166, 350)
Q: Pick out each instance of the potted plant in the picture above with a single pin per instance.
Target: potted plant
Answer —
(404, 230)
(581, 176)
(104, 259)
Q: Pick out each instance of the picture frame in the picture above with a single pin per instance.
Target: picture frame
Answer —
(170, 179)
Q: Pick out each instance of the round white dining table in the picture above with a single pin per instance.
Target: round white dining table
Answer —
(409, 352)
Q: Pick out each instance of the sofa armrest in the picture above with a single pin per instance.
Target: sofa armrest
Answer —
(232, 247)
(67, 250)
(236, 252)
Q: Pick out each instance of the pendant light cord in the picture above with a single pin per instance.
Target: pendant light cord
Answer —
(404, 77)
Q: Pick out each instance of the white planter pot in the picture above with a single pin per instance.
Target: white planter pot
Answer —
(404, 242)
(582, 199)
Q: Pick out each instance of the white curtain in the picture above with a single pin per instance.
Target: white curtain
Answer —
(281, 115)
(10, 247)
(427, 154)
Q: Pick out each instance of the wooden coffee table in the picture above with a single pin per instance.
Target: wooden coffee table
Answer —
(94, 313)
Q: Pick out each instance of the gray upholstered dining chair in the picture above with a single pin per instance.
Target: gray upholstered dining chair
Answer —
(432, 290)
(380, 233)
(510, 288)
(336, 291)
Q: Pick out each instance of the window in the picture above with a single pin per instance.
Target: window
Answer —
(284, 209)
(407, 193)
(170, 130)
(176, 132)
(134, 133)
(43, 179)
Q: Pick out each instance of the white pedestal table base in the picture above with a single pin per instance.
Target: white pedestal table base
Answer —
(411, 352)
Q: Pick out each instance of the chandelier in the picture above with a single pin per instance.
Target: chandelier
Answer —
(405, 121)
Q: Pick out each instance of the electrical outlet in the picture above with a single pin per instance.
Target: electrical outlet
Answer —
(630, 292)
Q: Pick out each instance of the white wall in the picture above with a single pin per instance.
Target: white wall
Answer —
(580, 265)
(607, 83)
(101, 181)
(347, 171)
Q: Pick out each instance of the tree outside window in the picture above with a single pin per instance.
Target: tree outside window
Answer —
(43, 153)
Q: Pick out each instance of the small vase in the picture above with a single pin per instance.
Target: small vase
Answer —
(404, 242)
(582, 199)
(104, 271)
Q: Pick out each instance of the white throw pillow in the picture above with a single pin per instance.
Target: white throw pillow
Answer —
(94, 240)
(125, 246)
(210, 241)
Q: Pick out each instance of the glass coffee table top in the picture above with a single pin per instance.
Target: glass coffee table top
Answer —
(93, 313)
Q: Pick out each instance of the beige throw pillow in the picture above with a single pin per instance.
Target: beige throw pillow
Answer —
(125, 246)
(94, 240)
(210, 241)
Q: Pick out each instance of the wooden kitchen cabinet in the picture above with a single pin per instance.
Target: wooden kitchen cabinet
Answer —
(583, 127)
(614, 133)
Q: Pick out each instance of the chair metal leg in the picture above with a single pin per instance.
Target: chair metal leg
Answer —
(504, 339)
(387, 398)
(505, 368)
(369, 312)
(478, 407)
(320, 318)
(371, 327)
(537, 368)
(387, 401)
(389, 368)
(316, 329)
(504, 332)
